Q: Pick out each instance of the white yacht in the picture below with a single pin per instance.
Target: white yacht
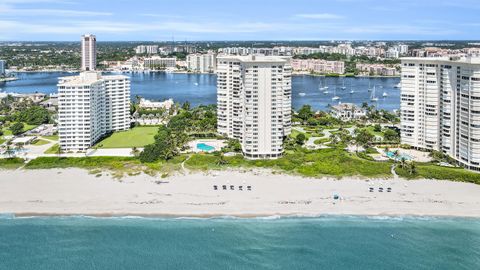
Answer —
(372, 96)
(335, 97)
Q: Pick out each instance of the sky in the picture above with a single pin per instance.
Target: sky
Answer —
(191, 20)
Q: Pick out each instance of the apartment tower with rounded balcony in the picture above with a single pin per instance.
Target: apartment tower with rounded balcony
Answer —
(254, 103)
(440, 107)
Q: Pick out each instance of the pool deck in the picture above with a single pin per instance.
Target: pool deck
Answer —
(216, 144)
(415, 155)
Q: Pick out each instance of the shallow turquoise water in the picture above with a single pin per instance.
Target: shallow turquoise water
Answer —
(205, 147)
(290, 243)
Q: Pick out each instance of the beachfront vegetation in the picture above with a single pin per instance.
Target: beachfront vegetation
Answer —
(117, 166)
(172, 137)
(316, 163)
(11, 163)
(433, 171)
(135, 137)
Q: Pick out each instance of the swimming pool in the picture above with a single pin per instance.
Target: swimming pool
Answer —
(400, 156)
(205, 147)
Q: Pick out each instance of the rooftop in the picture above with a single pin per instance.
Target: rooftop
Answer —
(453, 59)
(87, 78)
(255, 58)
(345, 106)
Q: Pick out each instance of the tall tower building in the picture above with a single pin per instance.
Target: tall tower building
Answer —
(89, 52)
(3, 67)
(254, 103)
(89, 107)
(440, 107)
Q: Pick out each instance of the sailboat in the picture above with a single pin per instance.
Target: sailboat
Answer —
(372, 96)
(369, 86)
(384, 94)
(335, 97)
(322, 85)
(302, 94)
(343, 86)
(399, 85)
(325, 88)
(351, 90)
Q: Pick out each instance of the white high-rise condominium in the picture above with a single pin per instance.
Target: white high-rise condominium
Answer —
(254, 103)
(202, 63)
(3, 67)
(89, 52)
(90, 106)
(440, 107)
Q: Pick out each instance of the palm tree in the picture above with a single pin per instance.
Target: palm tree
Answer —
(138, 98)
(412, 169)
(59, 150)
(396, 153)
(19, 147)
(135, 152)
(222, 160)
(9, 151)
(403, 162)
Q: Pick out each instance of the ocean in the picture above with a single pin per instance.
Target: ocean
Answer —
(201, 88)
(330, 242)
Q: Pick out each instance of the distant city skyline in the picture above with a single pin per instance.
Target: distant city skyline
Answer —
(65, 20)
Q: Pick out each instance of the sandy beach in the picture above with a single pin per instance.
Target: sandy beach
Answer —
(76, 192)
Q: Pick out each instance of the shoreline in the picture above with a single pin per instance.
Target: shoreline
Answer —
(208, 73)
(75, 192)
(225, 217)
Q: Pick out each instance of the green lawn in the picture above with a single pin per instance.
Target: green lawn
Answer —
(371, 130)
(321, 141)
(53, 137)
(53, 149)
(135, 137)
(40, 142)
(295, 133)
(26, 127)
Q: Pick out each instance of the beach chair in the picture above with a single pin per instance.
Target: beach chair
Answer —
(249, 188)
(371, 189)
(240, 188)
(380, 189)
(232, 187)
(389, 189)
(215, 187)
(224, 187)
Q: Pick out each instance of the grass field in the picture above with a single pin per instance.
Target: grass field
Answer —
(53, 137)
(41, 142)
(52, 150)
(26, 127)
(135, 137)
(371, 130)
